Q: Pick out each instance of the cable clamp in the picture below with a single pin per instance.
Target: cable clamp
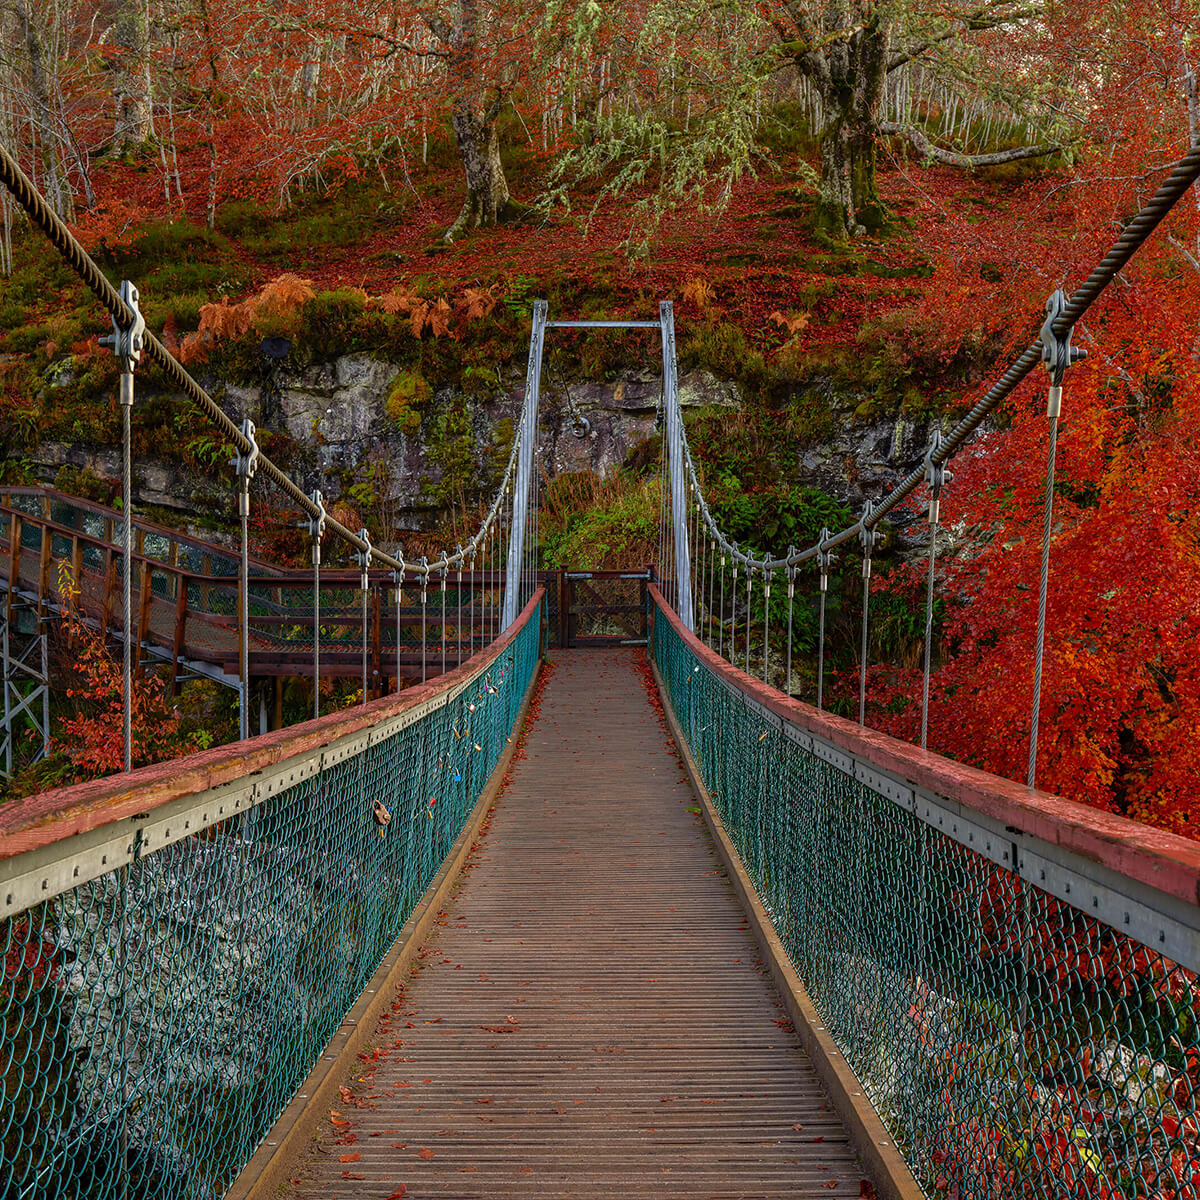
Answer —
(424, 581)
(245, 464)
(316, 525)
(128, 343)
(363, 557)
(936, 476)
(1057, 352)
(824, 557)
(869, 538)
(792, 568)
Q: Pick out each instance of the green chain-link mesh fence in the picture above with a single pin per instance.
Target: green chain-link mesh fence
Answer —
(1013, 1045)
(157, 1020)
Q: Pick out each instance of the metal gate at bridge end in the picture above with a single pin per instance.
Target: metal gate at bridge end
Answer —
(601, 608)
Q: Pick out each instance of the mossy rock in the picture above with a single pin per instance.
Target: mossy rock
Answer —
(409, 394)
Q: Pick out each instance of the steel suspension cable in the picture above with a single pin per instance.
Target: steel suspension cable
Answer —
(126, 564)
(126, 317)
(1132, 237)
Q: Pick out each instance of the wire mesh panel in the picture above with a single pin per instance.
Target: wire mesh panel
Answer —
(157, 1019)
(1013, 1044)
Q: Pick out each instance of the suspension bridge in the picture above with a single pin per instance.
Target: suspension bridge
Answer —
(634, 921)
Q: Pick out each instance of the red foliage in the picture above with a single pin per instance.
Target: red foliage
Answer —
(93, 739)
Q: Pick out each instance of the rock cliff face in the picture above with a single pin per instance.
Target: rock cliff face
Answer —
(336, 414)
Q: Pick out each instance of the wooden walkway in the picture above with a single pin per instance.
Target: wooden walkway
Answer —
(590, 1018)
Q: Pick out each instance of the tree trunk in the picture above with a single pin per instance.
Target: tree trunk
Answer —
(131, 77)
(852, 84)
(487, 189)
(46, 125)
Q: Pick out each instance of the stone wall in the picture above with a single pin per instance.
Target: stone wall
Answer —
(337, 415)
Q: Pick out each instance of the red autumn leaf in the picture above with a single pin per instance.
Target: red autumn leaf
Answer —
(350, 1157)
(426, 1153)
(399, 1193)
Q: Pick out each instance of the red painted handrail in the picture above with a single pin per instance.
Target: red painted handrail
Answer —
(1162, 860)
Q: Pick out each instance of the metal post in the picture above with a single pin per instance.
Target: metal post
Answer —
(1058, 354)
(244, 465)
(398, 580)
(749, 622)
(824, 558)
(316, 530)
(424, 610)
(471, 606)
(445, 572)
(127, 345)
(8, 733)
(721, 623)
(733, 611)
(673, 444)
(867, 537)
(936, 476)
(791, 578)
(364, 566)
(766, 626)
(528, 436)
(458, 610)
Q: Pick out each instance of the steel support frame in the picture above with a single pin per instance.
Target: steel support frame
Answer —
(673, 447)
(528, 436)
(19, 672)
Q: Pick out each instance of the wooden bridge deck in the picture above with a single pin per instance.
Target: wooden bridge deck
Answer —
(590, 1018)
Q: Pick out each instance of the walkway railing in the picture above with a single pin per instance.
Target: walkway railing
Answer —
(1011, 976)
(186, 599)
(179, 944)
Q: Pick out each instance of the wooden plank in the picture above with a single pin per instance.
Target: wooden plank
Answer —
(110, 586)
(589, 1018)
(143, 615)
(44, 559)
(77, 564)
(14, 560)
(178, 640)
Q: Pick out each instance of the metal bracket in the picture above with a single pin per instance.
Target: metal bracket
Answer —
(869, 538)
(363, 557)
(127, 343)
(1057, 352)
(316, 526)
(936, 476)
(245, 465)
(791, 572)
(824, 557)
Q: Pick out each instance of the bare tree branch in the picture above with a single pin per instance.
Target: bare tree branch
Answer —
(953, 159)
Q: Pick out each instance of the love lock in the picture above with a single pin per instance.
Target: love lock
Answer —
(382, 815)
